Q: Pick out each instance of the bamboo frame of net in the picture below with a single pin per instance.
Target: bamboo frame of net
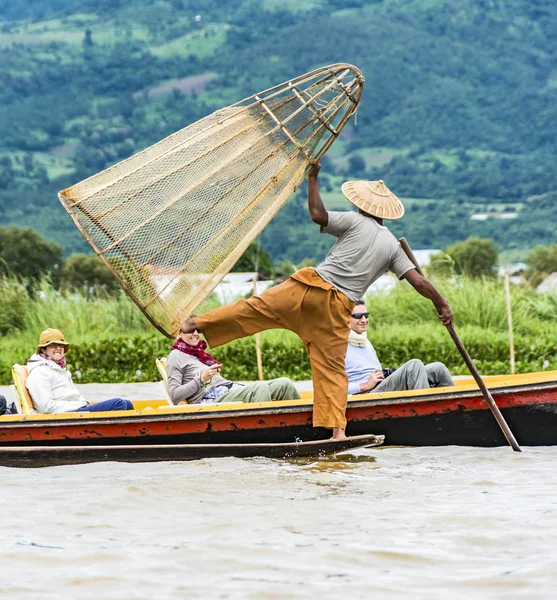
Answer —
(172, 220)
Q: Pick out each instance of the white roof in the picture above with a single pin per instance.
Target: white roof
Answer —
(512, 269)
(228, 291)
(424, 256)
(240, 277)
(232, 287)
(549, 284)
(485, 216)
(384, 284)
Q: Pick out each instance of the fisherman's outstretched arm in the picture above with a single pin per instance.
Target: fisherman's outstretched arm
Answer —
(317, 210)
(429, 291)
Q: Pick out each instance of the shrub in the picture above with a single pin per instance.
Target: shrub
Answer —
(132, 358)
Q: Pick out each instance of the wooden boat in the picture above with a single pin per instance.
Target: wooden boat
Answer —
(49, 456)
(433, 417)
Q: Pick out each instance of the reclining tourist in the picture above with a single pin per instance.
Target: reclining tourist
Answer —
(194, 377)
(364, 369)
(50, 383)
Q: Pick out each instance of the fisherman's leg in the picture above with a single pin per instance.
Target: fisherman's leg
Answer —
(330, 384)
(325, 332)
(283, 389)
(410, 376)
(273, 309)
(438, 375)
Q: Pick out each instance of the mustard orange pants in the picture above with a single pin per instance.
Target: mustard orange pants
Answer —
(311, 308)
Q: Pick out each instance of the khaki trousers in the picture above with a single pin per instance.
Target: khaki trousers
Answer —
(311, 308)
(414, 375)
(262, 391)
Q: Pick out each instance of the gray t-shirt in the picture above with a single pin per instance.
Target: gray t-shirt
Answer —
(363, 252)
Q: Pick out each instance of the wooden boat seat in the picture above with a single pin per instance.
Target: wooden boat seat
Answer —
(19, 376)
(161, 368)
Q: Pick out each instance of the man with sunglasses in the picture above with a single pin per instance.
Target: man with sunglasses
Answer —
(364, 370)
(317, 303)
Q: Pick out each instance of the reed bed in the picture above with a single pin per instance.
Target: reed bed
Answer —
(112, 340)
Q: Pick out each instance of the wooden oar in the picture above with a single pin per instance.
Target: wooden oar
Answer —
(471, 366)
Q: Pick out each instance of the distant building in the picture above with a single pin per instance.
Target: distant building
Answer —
(238, 285)
(232, 286)
(514, 270)
(485, 216)
(549, 284)
(424, 256)
(384, 284)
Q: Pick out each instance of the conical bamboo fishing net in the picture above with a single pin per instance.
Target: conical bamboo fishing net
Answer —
(172, 220)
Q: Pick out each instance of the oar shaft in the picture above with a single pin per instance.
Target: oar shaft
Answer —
(470, 364)
(486, 393)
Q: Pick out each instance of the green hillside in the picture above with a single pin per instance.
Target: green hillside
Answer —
(459, 112)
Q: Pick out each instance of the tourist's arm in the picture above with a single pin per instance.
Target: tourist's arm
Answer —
(375, 378)
(360, 388)
(429, 291)
(317, 210)
(185, 381)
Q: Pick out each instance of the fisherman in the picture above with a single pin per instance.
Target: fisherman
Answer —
(316, 303)
(365, 373)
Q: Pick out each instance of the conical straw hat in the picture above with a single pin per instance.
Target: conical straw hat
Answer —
(374, 198)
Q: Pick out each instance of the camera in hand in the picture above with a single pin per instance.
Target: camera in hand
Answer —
(387, 372)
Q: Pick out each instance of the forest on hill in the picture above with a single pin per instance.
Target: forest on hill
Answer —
(459, 113)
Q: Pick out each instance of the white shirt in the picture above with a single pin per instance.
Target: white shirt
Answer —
(359, 363)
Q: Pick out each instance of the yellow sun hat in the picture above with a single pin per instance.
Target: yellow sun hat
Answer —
(51, 336)
(374, 198)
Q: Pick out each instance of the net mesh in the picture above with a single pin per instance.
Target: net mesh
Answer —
(172, 220)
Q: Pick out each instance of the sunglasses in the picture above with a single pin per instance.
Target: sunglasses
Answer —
(358, 316)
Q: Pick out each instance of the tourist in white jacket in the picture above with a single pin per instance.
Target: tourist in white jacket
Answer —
(50, 383)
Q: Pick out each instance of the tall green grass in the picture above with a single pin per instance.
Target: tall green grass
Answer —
(403, 325)
(82, 316)
(475, 302)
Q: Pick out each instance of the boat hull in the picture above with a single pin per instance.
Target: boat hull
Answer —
(49, 456)
(447, 416)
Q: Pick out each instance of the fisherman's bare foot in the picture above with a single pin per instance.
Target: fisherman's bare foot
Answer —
(338, 433)
(189, 326)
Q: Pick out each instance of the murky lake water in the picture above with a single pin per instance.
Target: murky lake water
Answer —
(436, 523)
(388, 522)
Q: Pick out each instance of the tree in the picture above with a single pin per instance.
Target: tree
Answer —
(474, 257)
(356, 165)
(542, 261)
(286, 268)
(255, 259)
(86, 271)
(88, 39)
(307, 262)
(440, 265)
(25, 253)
